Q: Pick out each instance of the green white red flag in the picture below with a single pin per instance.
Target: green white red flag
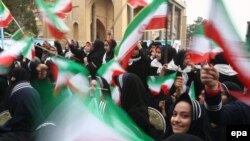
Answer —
(158, 83)
(136, 29)
(29, 51)
(70, 74)
(62, 7)
(202, 49)
(5, 15)
(9, 56)
(220, 29)
(109, 70)
(56, 26)
(80, 119)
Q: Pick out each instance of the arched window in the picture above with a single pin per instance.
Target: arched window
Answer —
(75, 31)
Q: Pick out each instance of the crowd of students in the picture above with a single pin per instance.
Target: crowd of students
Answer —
(206, 117)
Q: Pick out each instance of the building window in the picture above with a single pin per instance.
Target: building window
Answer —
(75, 31)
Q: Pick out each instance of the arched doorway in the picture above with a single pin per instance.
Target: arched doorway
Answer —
(102, 19)
(101, 32)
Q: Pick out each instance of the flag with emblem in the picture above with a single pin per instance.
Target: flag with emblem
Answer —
(70, 74)
(56, 26)
(158, 83)
(136, 29)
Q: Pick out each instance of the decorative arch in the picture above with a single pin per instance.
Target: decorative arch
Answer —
(102, 19)
(101, 31)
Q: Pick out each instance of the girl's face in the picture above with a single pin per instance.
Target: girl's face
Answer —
(87, 47)
(181, 118)
(158, 53)
(153, 52)
(106, 46)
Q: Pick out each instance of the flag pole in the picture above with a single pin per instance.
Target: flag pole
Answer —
(2, 37)
(18, 25)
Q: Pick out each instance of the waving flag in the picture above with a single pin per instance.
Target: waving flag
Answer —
(70, 74)
(220, 29)
(62, 7)
(83, 120)
(137, 3)
(109, 70)
(5, 15)
(135, 31)
(159, 19)
(8, 57)
(202, 49)
(29, 51)
(56, 26)
(158, 83)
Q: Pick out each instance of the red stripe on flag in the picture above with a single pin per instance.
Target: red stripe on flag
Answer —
(212, 32)
(154, 93)
(165, 89)
(6, 22)
(54, 70)
(124, 61)
(61, 15)
(136, 3)
(197, 58)
(157, 23)
(55, 32)
(7, 60)
(114, 75)
(67, 8)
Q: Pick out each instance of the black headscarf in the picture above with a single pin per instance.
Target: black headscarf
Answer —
(219, 59)
(20, 74)
(179, 58)
(230, 86)
(58, 46)
(198, 121)
(110, 54)
(180, 137)
(134, 99)
(95, 57)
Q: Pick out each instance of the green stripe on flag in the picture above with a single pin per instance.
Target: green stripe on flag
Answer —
(139, 19)
(2, 8)
(191, 92)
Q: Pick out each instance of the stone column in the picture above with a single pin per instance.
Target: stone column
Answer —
(172, 22)
(93, 30)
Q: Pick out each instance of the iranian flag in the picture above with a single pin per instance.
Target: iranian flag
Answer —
(109, 70)
(62, 7)
(158, 83)
(202, 49)
(79, 119)
(136, 29)
(220, 29)
(9, 56)
(138, 3)
(70, 74)
(29, 51)
(159, 19)
(5, 15)
(56, 26)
